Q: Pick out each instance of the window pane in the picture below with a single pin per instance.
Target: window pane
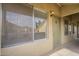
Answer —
(66, 26)
(19, 26)
(77, 29)
(40, 25)
(73, 28)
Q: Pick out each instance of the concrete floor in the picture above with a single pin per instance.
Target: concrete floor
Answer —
(69, 49)
(65, 52)
(73, 46)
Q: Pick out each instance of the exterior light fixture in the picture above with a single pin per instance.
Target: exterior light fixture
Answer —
(52, 13)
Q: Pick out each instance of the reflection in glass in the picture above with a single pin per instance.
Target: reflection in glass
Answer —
(19, 26)
(72, 28)
(69, 29)
(66, 26)
(40, 25)
(77, 29)
(19, 29)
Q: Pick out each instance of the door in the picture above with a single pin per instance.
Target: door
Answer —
(56, 32)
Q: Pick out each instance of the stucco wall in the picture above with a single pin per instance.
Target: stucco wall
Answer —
(75, 19)
(65, 11)
(38, 47)
(64, 38)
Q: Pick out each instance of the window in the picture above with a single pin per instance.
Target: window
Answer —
(77, 29)
(69, 29)
(73, 28)
(18, 24)
(66, 26)
(40, 24)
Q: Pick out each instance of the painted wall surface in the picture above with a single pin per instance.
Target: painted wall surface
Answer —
(56, 32)
(75, 19)
(64, 38)
(38, 47)
(0, 25)
(65, 11)
(68, 38)
(69, 9)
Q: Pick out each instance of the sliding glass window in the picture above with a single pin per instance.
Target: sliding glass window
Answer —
(22, 23)
(17, 24)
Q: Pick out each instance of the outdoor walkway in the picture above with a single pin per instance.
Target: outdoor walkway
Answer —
(65, 52)
(69, 49)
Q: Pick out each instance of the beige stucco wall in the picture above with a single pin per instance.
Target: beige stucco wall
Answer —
(0, 25)
(64, 38)
(38, 47)
(65, 11)
(75, 19)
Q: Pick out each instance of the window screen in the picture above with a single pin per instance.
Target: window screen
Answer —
(17, 24)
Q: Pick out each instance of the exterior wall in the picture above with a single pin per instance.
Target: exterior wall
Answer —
(0, 25)
(64, 38)
(38, 47)
(62, 31)
(65, 11)
(56, 32)
(70, 9)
